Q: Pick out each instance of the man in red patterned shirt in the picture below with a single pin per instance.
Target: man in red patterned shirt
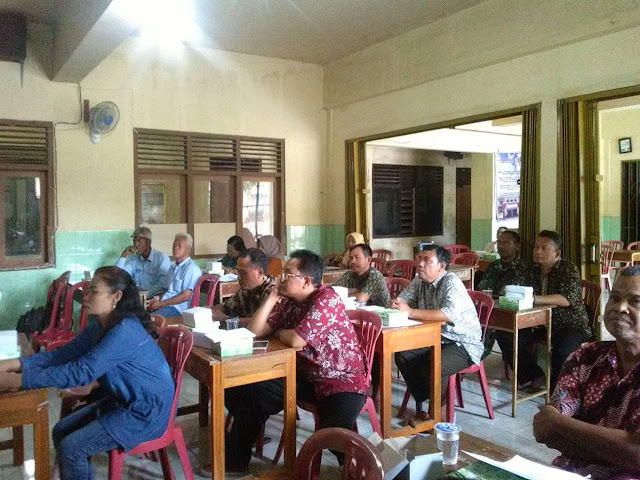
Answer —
(304, 314)
(594, 416)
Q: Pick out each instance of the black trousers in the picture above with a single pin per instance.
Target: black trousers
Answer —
(252, 404)
(563, 342)
(415, 366)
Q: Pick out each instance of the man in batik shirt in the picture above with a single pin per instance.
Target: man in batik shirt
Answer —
(593, 418)
(301, 313)
(255, 286)
(364, 282)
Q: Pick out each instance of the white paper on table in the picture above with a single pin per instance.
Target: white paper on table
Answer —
(401, 323)
(229, 277)
(528, 469)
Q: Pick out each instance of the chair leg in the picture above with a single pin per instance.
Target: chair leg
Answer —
(459, 391)
(373, 417)
(167, 471)
(116, 460)
(485, 390)
(405, 401)
(451, 398)
(181, 446)
(280, 449)
(506, 369)
(260, 442)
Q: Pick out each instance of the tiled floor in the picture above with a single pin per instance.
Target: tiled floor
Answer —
(513, 433)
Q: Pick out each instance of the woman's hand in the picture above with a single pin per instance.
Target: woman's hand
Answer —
(10, 381)
(13, 366)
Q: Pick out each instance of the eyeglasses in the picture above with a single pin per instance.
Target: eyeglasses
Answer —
(284, 276)
(138, 238)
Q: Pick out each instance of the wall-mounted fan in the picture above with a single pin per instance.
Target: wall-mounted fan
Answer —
(102, 119)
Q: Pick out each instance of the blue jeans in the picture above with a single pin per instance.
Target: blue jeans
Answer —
(169, 311)
(76, 438)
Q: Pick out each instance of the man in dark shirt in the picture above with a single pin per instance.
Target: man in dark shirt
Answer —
(365, 283)
(255, 286)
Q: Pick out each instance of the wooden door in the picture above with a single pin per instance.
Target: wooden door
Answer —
(463, 206)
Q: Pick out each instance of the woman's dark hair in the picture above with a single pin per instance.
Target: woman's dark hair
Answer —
(117, 279)
(237, 243)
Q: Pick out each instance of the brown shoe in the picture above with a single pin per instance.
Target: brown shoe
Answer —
(419, 418)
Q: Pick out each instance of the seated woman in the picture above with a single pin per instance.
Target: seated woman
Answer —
(235, 248)
(354, 238)
(271, 246)
(120, 352)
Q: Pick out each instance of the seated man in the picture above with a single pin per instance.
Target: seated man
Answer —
(438, 295)
(365, 283)
(556, 282)
(255, 286)
(593, 417)
(149, 268)
(183, 276)
(301, 313)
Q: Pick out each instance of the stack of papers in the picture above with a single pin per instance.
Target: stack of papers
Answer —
(516, 297)
(528, 469)
(9, 346)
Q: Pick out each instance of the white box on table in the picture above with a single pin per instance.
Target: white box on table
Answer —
(198, 318)
(408, 458)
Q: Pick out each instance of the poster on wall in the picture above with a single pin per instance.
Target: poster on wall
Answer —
(507, 183)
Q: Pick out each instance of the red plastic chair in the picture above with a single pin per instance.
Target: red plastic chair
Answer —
(396, 285)
(455, 249)
(361, 459)
(367, 326)
(176, 342)
(484, 307)
(606, 268)
(206, 284)
(465, 258)
(633, 246)
(379, 264)
(383, 254)
(615, 244)
(591, 294)
(57, 290)
(407, 268)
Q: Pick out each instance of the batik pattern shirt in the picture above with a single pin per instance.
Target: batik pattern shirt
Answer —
(244, 303)
(372, 283)
(563, 279)
(498, 275)
(332, 358)
(447, 293)
(589, 389)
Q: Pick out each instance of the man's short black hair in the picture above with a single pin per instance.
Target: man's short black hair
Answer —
(444, 256)
(515, 236)
(257, 258)
(553, 236)
(309, 264)
(366, 249)
(632, 271)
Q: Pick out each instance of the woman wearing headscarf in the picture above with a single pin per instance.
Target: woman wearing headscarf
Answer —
(354, 238)
(248, 238)
(271, 246)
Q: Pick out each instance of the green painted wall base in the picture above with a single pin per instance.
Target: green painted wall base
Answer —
(609, 228)
(480, 233)
(79, 251)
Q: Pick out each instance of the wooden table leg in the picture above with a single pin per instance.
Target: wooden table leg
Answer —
(41, 442)
(435, 389)
(290, 416)
(203, 405)
(385, 391)
(217, 423)
(18, 445)
(514, 380)
(549, 392)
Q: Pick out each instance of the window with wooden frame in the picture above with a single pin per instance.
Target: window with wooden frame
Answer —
(26, 203)
(211, 186)
(407, 200)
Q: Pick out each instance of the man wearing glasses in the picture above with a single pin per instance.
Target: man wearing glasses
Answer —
(304, 314)
(148, 267)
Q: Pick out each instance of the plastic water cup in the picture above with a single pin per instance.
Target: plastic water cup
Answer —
(448, 436)
(360, 304)
(232, 323)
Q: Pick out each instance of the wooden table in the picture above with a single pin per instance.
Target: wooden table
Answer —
(512, 321)
(626, 256)
(466, 273)
(215, 374)
(392, 340)
(27, 407)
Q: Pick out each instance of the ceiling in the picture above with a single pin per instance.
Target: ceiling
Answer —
(315, 31)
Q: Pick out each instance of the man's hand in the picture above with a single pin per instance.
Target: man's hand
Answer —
(545, 422)
(154, 304)
(11, 366)
(10, 381)
(130, 250)
(400, 305)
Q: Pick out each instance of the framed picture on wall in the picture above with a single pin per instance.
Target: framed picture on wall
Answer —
(624, 145)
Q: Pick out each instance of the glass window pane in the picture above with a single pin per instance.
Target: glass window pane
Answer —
(22, 216)
(258, 207)
(161, 200)
(214, 200)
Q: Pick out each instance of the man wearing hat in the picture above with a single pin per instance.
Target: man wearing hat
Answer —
(148, 267)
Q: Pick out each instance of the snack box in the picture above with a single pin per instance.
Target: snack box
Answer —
(198, 318)
(490, 256)
(514, 303)
(519, 292)
(388, 315)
